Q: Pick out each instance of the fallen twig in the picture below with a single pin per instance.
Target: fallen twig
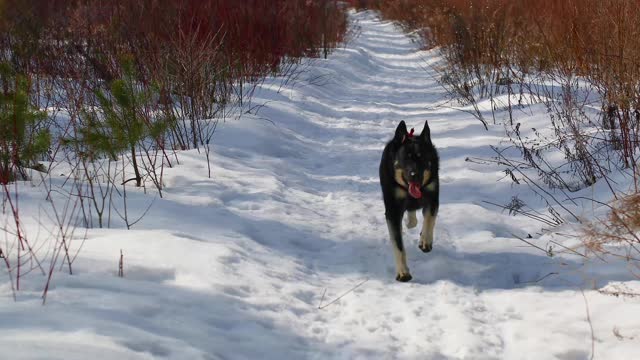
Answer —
(546, 251)
(540, 279)
(593, 338)
(320, 306)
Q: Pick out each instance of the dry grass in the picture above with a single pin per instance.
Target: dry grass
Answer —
(489, 42)
(620, 228)
(596, 39)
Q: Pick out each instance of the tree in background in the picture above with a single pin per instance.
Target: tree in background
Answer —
(22, 140)
(120, 122)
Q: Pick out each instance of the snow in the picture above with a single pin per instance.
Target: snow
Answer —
(246, 265)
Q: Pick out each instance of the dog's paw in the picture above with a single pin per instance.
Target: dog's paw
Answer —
(404, 277)
(412, 221)
(425, 247)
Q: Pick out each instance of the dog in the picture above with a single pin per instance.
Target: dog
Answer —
(409, 181)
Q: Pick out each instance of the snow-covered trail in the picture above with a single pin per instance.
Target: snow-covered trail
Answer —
(236, 266)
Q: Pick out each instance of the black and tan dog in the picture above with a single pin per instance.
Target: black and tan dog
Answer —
(409, 180)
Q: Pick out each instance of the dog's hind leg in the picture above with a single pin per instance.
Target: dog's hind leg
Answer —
(428, 224)
(395, 231)
(412, 221)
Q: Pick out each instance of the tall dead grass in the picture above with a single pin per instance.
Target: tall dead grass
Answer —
(580, 47)
(621, 229)
(598, 40)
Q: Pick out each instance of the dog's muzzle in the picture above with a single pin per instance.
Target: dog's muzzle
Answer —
(413, 186)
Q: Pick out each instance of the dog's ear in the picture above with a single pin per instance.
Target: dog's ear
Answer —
(401, 133)
(426, 133)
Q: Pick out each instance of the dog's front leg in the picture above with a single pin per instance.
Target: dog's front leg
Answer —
(412, 221)
(428, 224)
(394, 223)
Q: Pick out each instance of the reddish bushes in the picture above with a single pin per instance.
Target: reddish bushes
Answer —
(578, 48)
(199, 53)
(185, 62)
(490, 42)
(577, 31)
(132, 80)
(599, 39)
(255, 36)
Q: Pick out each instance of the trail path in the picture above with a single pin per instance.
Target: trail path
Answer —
(236, 266)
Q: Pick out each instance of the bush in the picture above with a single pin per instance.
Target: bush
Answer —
(22, 140)
(493, 47)
(200, 52)
(618, 235)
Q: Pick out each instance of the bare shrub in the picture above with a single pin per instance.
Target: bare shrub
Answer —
(102, 121)
(621, 228)
(577, 57)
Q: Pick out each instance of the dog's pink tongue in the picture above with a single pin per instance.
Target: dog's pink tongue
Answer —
(414, 190)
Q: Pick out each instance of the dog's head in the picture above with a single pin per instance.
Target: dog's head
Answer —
(414, 159)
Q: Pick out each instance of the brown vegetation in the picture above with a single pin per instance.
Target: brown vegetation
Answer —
(560, 53)
(198, 54)
(499, 41)
(113, 87)
(621, 228)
